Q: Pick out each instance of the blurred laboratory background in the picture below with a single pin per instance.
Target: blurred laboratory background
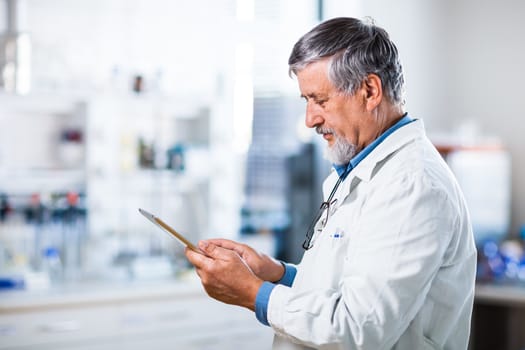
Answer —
(186, 109)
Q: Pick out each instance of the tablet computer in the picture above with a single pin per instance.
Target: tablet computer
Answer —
(170, 230)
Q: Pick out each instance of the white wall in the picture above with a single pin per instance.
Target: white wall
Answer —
(486, 78)
(463, 60)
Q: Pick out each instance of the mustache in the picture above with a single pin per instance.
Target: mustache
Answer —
(321, 130)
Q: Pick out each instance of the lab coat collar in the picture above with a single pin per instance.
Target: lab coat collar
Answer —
(344, 170)
(364, 171)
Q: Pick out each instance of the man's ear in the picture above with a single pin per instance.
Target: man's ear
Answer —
(373, 91)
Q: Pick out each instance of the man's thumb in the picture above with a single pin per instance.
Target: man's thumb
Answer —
(208, 248)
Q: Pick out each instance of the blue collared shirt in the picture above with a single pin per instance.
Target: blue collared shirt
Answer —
(263, 295)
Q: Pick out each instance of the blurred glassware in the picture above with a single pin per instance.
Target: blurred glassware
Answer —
(15, 52)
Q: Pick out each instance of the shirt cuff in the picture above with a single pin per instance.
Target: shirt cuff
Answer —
(261, 302)
(289, 275)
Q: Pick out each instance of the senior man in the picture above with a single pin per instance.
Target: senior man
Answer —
(390, 259)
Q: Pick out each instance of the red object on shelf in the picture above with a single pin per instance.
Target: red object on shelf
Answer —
(72, 198)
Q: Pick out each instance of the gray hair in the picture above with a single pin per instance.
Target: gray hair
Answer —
(356, 48)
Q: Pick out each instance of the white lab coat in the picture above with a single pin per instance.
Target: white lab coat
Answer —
(394, 268)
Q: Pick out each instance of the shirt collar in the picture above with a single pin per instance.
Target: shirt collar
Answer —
(344, 169)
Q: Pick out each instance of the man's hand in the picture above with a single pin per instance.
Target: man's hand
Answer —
(264, 266)
(225, 275)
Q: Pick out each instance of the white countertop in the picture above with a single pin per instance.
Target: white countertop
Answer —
(131, 315)
(500, 294)
(90, 293)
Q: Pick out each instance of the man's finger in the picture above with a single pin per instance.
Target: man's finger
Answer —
(228, 244)
(214, 251)
(221, 242)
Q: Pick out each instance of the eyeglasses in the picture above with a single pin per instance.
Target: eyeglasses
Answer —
(317, 225)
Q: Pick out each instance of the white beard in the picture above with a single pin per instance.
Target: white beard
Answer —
(341, 152)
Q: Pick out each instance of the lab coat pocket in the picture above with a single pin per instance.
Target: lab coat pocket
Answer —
(428, 344)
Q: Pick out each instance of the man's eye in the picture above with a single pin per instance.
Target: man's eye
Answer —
(320, 102)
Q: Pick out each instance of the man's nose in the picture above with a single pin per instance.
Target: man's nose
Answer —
(313, 116)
